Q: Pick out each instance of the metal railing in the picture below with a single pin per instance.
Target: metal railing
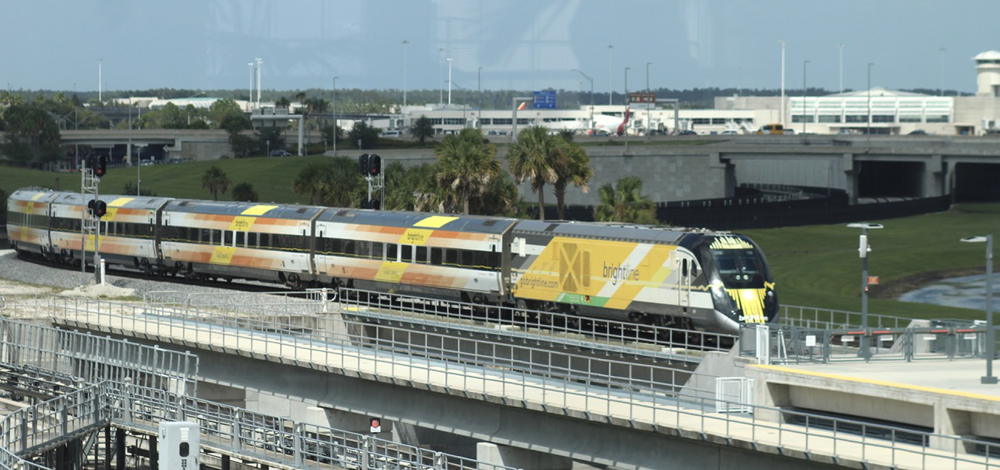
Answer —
(232, 430)
(530, 322)
(72, 357)
(632, 405)
(783, 344)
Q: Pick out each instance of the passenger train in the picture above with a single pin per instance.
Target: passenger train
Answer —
(696, 279)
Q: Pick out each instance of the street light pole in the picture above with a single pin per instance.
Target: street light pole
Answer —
(990, 334)
(440, 76)
(782, 111)
(841, 68)
(250, 97)
(259, 63)
(805, 118)
(649, 106)
(335, 116)
(869, 130)
(611, 88)
(449, 81)
(863, 250)
(479, 90)
(405, 43)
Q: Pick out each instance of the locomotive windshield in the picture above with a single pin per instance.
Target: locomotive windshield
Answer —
(739, 268)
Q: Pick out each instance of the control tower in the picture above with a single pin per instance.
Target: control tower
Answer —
(988, 73)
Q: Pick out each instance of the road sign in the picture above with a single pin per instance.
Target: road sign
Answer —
(642, 97)
(872, 280)
(545, 99)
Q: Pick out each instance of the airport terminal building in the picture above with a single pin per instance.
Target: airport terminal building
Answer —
(875, 111)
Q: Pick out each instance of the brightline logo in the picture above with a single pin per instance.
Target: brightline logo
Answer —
(621, 272)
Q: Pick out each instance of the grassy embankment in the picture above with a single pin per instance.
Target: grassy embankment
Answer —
(814, 266)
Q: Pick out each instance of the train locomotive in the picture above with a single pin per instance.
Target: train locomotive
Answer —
(696, 279)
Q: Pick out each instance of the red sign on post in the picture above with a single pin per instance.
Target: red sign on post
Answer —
(872, 280)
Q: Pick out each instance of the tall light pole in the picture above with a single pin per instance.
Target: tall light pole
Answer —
(259, 63)
(611, 85)
(869, 130)
(863, 250)
(405, 43)
(250, 97)
(841, 68)
(479, 91)
(591, 80)
(782, 112)
(648, 105)
(449, 81)
(440, 76)
(805, 118)
(941, 86)
(990, 337)
(335, 116)
(100, 80)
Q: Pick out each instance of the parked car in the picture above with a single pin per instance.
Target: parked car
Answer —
(687, 132)
(280, 153)
(918, 132)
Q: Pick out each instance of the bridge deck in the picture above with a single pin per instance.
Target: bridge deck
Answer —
(628, 408)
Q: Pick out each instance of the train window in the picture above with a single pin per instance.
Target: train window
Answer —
(421, 255)
(216, 236)
(363, 248)
(467, 258)
(336, 246)
(451, 257)
(377, 250)
(694, 270)
(684, 267)
(436, 256)
(407, 256)
(480, 259)
(392, 252)
(227, 238)
(241, 239)
(349, 247)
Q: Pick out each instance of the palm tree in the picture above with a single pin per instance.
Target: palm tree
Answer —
(310, 182)
(466, 164)
(215, 181)
(245, 192)
(625, 203)
(535, 157)
(576, 171)
(422, 128)
(341, 183)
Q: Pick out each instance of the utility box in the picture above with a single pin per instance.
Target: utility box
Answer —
(179, 445)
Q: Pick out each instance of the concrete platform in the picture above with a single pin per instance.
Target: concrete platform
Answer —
(939, 396)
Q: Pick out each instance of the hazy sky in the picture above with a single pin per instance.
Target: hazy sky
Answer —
(520, 44)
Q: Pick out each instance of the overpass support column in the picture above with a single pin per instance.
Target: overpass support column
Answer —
(490, 453)
(950, 179)
(851, 178)
(951, 423)
(934, 177)
(717, 162)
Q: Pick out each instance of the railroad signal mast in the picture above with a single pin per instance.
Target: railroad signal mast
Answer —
(371, 169)
(95, 167)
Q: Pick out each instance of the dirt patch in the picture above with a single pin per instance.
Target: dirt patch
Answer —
(898, 287)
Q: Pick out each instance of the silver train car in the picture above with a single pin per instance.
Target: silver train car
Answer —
(695, 279)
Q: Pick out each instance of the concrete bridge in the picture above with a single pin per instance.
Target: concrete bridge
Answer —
(700, 167)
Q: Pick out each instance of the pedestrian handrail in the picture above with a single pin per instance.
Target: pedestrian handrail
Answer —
(635, 407)
(791, 344)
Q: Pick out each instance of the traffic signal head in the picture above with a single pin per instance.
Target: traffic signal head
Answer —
(363, 164)
(90, 163)
(97, 208)
(374, 165)
(102, 166)
(373, 203)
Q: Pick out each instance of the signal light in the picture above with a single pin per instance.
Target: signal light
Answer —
(374, 165)
(97, 208)
(90, 163)
(102, 166)
(100, 209)
(363, 164)
(373, 203)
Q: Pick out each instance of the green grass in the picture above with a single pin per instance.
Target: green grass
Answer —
(816, 266)
(271, 177)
